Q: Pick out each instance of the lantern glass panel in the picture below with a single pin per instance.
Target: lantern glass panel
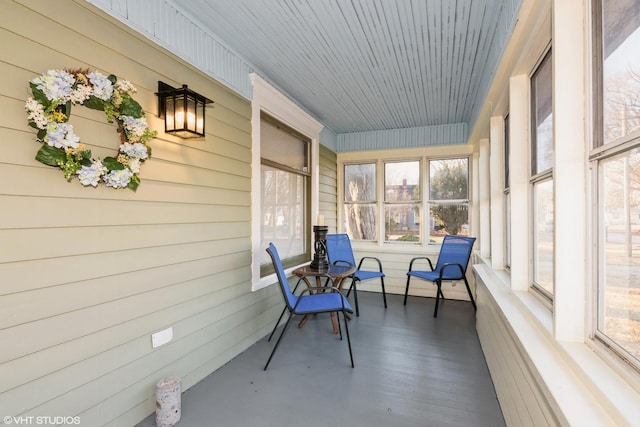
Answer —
(169, 121)
(200, 118)
(191, 113)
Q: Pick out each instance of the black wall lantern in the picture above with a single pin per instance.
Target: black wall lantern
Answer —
(182, 110)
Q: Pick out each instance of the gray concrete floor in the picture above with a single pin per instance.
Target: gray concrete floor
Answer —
(410, 370)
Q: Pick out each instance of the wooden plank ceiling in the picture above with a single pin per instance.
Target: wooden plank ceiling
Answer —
(362, 65)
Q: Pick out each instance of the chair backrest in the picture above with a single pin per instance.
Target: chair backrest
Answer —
(455, 250)
(339, 249)
(289, 298)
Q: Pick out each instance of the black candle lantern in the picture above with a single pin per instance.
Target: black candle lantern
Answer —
(182, 110)
(320, 261)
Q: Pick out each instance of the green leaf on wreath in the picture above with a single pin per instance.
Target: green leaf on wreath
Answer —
(41, 134)
(112, 164)
(86, 155)
(66, 110)
(94, 103)
(113, 79)
(134, 182)
(50, 156)
(39, 96)
(129, 107)
(84, 158)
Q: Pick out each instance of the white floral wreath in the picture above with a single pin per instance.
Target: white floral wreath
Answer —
(49, 109)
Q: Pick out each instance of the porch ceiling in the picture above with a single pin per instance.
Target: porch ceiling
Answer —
(362, 65)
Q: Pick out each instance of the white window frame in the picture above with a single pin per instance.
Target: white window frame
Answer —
(423, 154)
(506, 179)
(538, 178)
(268, 99)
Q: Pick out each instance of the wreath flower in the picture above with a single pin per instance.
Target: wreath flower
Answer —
(49, 109)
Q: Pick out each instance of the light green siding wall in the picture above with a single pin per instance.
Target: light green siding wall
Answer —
(328, 181)
(87, 275)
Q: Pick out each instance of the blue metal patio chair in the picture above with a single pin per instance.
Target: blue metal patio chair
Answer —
(327, 299)
(452, 265)
(339, 252)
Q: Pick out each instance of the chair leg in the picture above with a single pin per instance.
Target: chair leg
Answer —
(277, 323)
(355, 295)
(346, 328)
(406, 291)
(384, 295)
(438, 293)
(283, 311)
(470, 295)
(275, 347)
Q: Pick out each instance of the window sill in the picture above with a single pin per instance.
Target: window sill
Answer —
(579, 384)
(272, 279)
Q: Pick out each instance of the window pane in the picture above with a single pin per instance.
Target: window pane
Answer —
(543, 117)
(448, 198)
(543, 233)
(360, 183)
(360, 221)
(620, 68)
(506, 152)
(449, 179)
(283, 213)
(619, 298)
(401, 181)
(360, 186)
(402, 222)
(448, 218)
(507, 229)
(401, 185)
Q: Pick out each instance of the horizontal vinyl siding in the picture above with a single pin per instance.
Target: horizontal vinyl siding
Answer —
(328, 196)
(87, 275)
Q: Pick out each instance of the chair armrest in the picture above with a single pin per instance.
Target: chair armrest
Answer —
(449, 264)
(417, 258)
(372, 258)
(301, 279)
(341, 261)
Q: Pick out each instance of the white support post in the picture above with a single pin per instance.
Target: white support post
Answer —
(519, 180)
(485, 204)
(570, 171)
(496, 171)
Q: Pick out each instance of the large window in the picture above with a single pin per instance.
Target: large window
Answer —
(616, 158)
(417, 200)
(284, 195)
(542, 176)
